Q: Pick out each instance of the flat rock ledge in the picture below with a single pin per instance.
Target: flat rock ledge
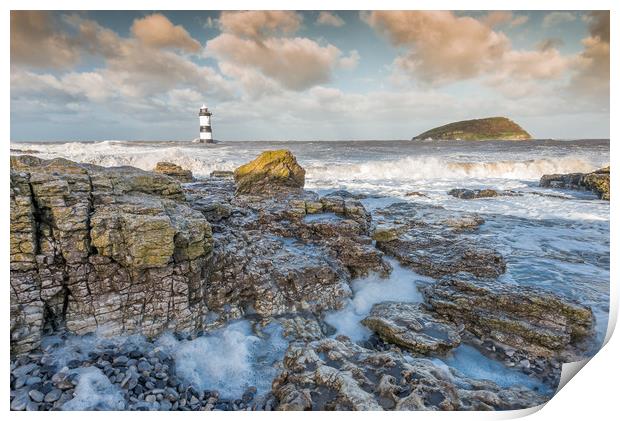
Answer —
(526, 318)
(410, 326)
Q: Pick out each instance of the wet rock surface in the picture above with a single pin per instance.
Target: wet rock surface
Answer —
(286, 254)
(336, 374)
(434, 241)
(174, 171)
(122, 251)
(473, 194)
(529, 319)
(596, 182)
(410, 326)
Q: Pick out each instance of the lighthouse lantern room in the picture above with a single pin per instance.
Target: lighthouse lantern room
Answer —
(206, 136)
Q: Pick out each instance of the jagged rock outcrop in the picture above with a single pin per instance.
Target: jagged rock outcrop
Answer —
(108, 249)
(277, 255)
(336, 374)
(174, 171)
(434, 241)
(526, 318)
(596, 182)
(270, 172)
(411, 326)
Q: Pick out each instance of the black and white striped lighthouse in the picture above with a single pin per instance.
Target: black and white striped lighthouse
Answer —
(206, 136)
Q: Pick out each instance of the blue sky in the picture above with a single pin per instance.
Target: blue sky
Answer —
(309, 75)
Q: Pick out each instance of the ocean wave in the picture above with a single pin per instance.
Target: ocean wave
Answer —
(420, 168)
(202, 160)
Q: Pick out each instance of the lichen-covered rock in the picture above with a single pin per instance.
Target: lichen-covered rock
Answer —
(523, 317)
(174, 171)
(434, 241)
(336, 374)
(108, 249)
(597, 182)
(270, 172)
(410, 326)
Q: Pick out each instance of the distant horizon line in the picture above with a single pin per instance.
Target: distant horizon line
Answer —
(298, 140)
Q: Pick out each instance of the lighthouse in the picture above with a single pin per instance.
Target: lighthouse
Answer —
(206, 136)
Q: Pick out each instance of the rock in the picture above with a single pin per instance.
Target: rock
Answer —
(221, 174)
(284, 254)
(53, 395)
(272, 171)
(597, 182)
(473, 194)
(36, 396)
(20, 401)
(90, 243)
(415, 194)
(174, 171)
(410, 326)
(434, 241)
(336, 374)
(526, 318)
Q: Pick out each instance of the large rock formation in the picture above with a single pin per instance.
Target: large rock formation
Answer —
(109, 249)
(492, 128)
(272, 171)
(596, 182)
(274, 256)
(174, 171)
(541, 323)
(124, 250)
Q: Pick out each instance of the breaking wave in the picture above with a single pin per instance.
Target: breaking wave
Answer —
(202, 160)
(419, 168)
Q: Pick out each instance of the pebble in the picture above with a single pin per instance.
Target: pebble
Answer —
(19, 382)
(20, 401)
(147, 379)
(36, 396)
(53, 395)
(24, 370)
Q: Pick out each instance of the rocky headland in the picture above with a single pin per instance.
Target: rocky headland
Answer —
(115, 252)
(491, 128)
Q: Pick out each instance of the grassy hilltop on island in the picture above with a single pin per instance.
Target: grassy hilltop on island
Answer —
(492, 128)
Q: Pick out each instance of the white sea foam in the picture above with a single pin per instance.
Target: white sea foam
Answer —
(400, 286)
(94, 391)
(432, 167)
(475, 365)
(230, 359)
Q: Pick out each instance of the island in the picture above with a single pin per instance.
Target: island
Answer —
(492, 128)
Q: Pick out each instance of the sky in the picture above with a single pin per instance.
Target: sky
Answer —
(312, 75)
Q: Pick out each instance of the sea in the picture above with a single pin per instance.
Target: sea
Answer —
(558, 241)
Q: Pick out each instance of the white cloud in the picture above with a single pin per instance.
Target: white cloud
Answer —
(329, 19)
(557, 18)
